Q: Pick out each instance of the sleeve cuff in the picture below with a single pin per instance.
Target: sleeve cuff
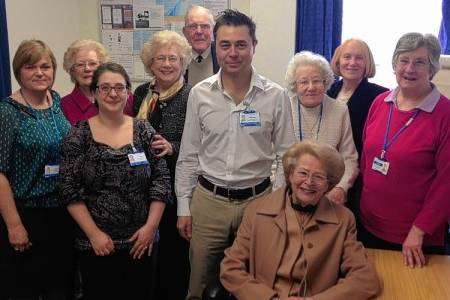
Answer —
(183, 207)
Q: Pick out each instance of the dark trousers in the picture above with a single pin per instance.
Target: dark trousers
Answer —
(173, 259)
(46, 269)
(115, 276)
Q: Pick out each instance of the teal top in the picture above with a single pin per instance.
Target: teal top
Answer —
(30, 140)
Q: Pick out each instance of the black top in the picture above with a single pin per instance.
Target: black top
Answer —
(117, 195)
(358, 106)
(168, 121)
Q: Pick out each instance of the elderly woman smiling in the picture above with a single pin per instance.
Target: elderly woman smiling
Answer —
(405, 161)
(318, 117)
(81, 59)
(162, 102)
(295, 243)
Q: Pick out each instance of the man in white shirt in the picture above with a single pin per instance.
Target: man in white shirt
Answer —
(198, 27)
(237, 124)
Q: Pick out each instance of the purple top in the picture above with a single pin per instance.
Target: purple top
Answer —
(77, 107)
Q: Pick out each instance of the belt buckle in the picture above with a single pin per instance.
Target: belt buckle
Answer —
(230, 194)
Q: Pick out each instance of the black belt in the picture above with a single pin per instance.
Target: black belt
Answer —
(235, 194)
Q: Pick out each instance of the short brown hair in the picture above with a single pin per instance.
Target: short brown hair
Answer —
(30, 52)
(330, 158)
(368, 58)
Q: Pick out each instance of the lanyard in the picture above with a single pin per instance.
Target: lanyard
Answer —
(387, 143)
(53, 125)
(300, 132)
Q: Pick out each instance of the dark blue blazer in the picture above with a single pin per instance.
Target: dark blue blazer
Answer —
(358, 106)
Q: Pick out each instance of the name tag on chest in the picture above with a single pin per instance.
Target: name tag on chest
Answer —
(380, 165)
(249, 118)
(51, 170)
(137, 159)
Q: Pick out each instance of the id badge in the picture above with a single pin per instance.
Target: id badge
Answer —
(380, 165)
(51, 170)
(137, 159)
(249, 118)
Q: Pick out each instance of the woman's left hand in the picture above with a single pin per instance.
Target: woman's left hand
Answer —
(337, 195)
(161, 144)
(412, 248)
(143, 240)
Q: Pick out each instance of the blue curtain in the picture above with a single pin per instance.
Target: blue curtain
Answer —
(444, 32)
(319, 26)
(5, 75)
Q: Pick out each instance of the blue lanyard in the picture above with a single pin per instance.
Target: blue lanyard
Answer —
(387, 143)
(300, 132)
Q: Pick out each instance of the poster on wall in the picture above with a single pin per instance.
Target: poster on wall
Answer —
(127, 24)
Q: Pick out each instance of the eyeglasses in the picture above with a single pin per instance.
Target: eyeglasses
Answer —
(83, 64)
(316, 178)
(194, 26)
(106, 89)
(314, 82)
(162, 59)
(418, 64)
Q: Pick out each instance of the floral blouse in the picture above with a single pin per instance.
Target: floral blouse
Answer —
(117, 195)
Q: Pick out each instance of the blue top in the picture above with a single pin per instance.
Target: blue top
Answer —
(29, 140)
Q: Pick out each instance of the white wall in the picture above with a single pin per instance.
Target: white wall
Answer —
(60, 22)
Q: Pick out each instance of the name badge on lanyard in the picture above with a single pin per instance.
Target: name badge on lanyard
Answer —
(249, 118)
(137, 159)
(380, 165)
(51, 170)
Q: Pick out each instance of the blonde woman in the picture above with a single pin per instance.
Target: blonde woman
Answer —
(81, 59)
(162, 102)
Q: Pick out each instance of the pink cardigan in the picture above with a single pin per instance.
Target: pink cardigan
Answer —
(416, 190)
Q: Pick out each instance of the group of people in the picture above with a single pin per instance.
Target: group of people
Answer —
(158, 193)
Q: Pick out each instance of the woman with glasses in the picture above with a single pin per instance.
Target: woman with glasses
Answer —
(318, 117)
(36, 232)
(81, 59)
(405, 162)
(296, 244)
(163, 102)
(116, 190)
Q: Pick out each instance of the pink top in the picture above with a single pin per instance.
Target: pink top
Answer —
(77, 107)
(416, 189)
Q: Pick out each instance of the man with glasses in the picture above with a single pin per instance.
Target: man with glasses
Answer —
(198, 27)
(237, 124)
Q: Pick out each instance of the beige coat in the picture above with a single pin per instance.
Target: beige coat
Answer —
(338, 267)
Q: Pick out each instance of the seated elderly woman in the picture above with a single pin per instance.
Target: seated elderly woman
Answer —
(81, 59)
(318, 117)
(295, 243)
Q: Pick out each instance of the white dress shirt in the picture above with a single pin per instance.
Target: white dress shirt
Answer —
(216, 146)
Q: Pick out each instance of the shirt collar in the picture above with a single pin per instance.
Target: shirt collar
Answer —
(81, 100)
(428, 104)
(256, 81)
(204, 55)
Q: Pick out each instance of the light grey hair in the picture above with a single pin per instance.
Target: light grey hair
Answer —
(196, 8)
(307, 58)
(412, 41)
